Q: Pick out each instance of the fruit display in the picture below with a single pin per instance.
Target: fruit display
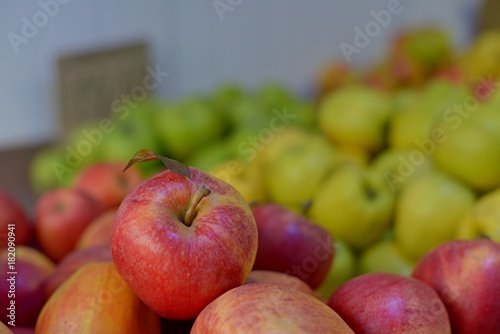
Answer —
(372, 208)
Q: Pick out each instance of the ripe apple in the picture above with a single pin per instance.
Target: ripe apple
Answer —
(96, 299)
(388, 303)
(352, 207)
(268, 308)
(14, 225)
(22, 284)
(74, 261)
(299, 165)
(356, 116)
(61, 217)
(428, 212)
(342, 270)
(274, 277)
(385, 256)
(466, 274)
(187, 228)
(107, 183)
(291, 244)
(98, 232)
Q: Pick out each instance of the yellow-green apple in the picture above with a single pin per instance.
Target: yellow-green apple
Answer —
(353, 155)
(480, 59)
(245, 177)
(96, 299)
(185, 125)
(98, 232)
(291, 244)
(471, 151)
(44, 173)
(22, 282)
(466, 274)
(385, 257)
(74, 261)
(210, 155)
(389, 303)
(15, 229)
(300, 165)
(187, 228)
(289, 136)
(274, 277)
(428, 212)
(352, 207)
(415, 127)
(482, 219)
(106, 182)
(61, 217)
(395, 168)
(342, 270)
(268, 308)
(332, 76)
(355, 115)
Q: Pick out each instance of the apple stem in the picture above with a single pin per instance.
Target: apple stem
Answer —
(201, 193)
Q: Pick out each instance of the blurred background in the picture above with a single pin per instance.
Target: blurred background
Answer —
(65, 63)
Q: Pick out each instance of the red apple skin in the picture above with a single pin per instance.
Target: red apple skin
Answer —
(61, 217)
(33, 269)
(268, 308)
(98, 232)
(11, 212)
(151, 245)
(22, 330)
(274, 277)
(108, 183)
(388, 303)
(96, 300)
(74, 261)
(291, 244)
(466, 274)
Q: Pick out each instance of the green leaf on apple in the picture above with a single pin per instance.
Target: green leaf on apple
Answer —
(148, 155)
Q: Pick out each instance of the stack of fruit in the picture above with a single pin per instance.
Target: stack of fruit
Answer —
(334, 216)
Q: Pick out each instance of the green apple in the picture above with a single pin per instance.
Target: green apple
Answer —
(482, 219)
(210, 155)
(355, 116)
(395, 168)
(352, 207)
(246, 177)
(184, 126)
(471, 149)
(386, 257)
(428, 212)
(342, 269)
(274, 95)
(417, 121)
(43, 176)
(293, 175)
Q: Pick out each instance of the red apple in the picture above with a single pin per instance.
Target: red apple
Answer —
(22, 330)
(291, 244)
(74, 261)
(13, 222)
(96, 300)
(61, 217)
(466, 274)
(389, 303)
(268, 308)
(107, 182)
(274, 277)
(99, 230)
(22, 284)
(181, 239)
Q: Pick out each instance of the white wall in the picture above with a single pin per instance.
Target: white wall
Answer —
(284, 39)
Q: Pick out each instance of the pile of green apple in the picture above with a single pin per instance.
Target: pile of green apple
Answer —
(373, 209)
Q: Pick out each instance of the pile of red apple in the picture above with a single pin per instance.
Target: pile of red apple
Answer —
(183, 252)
